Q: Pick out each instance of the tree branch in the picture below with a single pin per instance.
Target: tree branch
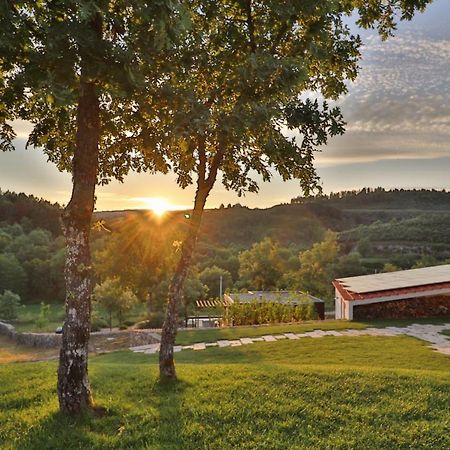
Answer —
(202, 161)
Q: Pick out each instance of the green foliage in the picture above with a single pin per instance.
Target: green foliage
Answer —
(267, 312)
(317, 267)
(9, 305)
(155, 320)
(210, 277)
(32, 263)
(139, 251)
(114, 298)
(97, 322)
(12, 275)
(389, 267)
(43, 318)
(37, 212)
(262, 266)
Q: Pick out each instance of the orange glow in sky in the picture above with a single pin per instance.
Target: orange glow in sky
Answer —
(158, 205)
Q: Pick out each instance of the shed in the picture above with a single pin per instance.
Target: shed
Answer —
(277, 296)
(413, 293)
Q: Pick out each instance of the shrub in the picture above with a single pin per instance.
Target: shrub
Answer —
(115, 299)
(9, 304)
(43, 318)
(265, 312)
(155, 320)
(97, 323)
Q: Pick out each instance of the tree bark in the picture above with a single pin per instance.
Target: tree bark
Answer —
(170, 326)
(74, 391)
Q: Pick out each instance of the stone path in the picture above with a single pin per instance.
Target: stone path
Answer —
(428, 332)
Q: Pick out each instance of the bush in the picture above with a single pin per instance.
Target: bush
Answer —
(97, 323)
(155, 320)
(9, 304)
(265, 312)
(43, 319)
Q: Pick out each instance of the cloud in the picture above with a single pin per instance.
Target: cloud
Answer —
(399, 107)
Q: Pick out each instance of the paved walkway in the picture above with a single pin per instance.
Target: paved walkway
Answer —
(429, 333)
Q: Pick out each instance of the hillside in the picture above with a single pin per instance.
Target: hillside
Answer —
(304, 221)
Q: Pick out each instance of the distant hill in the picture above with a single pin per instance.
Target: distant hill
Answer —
(378, 214)
(304, 221)
(382, 199)
(30, 211)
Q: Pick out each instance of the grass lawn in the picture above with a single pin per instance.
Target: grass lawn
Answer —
(186, 337)
(330, 393)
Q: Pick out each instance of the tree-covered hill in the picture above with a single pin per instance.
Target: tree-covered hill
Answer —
(29, 211)
(382, 199)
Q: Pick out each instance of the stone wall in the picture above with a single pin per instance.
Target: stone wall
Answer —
(7, 329)
(53, 340)
(420, 307)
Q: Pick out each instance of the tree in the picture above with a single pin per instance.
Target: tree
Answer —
(389, 267)
(239, 91)
(140, 252)
(12, 275)
(317, 267)
(9, 305)
(70, 68)
(262, 266)
(349, 266)
(211, 276)
(114, 299)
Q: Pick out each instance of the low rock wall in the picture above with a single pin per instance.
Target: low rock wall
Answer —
(6, 329)
(53, 340)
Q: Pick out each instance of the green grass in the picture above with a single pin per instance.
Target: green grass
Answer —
(29, 313)
(186, 337)
(332, 393)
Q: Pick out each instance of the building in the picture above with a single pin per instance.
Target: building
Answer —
(292, 297)
(412, 293)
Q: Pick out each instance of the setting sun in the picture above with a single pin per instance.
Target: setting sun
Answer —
(158, 205)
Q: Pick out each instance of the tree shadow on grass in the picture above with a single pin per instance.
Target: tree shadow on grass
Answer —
(57, 431)
(169, 395)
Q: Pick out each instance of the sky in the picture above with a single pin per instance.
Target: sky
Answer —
(398, 132)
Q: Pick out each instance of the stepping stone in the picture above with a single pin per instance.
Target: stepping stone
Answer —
(279, 336)
(318, 333)
(223, 343)
(444, 350)
(395, 330)
(141, 348)
(258, 339)
(269, 338)
(353, 333)
(188, 347)
(301, 335)
(177, 348)
(291, 335)
(346, 333)
(235, 343)
(200, 346)
(211, 344)
(332, 333)
(154, 348)
(246, 341)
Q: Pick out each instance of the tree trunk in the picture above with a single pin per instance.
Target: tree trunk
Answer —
(170, 326)
(74, 391)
